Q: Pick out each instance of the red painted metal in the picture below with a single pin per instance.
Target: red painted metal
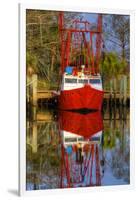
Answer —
(98, 42)
(78, 36)
(86, 97)
(70, 169)
(98, 177)
(92, 151)
(80, 124)
(69, 172)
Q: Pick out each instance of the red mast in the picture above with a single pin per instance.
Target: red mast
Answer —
(98, 42)
(74, 174)
(80, 37)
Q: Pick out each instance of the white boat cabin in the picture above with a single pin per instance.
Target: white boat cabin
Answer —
(72, 139)
(70, 82)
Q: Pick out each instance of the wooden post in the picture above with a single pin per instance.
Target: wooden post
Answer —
(120, 92)
(115, 89)
(34, 138)
(34, 89)
(28, 89)
(114, 110)
(125, 89)
(110, 99)
(34, 113)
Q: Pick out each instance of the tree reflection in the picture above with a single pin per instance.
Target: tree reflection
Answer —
(43, 165)
(116, 141)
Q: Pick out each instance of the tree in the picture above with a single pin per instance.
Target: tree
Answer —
(111, 65)
(117, 34)
(43, 43)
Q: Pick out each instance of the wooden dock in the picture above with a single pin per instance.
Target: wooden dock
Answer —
(45, 94)
(109, 98)
(36, 94)
(117, 95)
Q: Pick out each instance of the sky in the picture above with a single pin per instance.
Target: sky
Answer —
(111, 43)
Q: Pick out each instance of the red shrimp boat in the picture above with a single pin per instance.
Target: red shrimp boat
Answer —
(81, 85)
(77, 93)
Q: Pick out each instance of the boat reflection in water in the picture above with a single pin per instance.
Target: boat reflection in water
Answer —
(81, 138)
(71, 149)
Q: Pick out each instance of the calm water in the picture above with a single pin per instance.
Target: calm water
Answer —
(69, 149)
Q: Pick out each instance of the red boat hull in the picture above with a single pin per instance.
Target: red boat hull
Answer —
(86, 97)
(85, 125)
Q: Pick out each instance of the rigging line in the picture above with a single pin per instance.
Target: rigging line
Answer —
(91, 164)
(85, 168)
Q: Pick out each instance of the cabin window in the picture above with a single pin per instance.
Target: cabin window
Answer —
(95, 139)
(71, 139)
(81, 139)
(70, 80)
(95, 81)
(83, 81)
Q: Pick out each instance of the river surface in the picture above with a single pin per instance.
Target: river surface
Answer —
(77, 149)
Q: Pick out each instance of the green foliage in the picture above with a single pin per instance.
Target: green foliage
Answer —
(55, 161)
(109, 140)
(118, 134)
(111, 66)
(43, 45)
(31, 60)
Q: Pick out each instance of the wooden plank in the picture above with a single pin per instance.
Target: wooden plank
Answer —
(44, 95)
(44, 117)
(34, 88)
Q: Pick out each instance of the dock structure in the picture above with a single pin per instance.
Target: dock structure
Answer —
(114, 97)
(34, 93)
(108, 94)
(110, 97)
(45, 94)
